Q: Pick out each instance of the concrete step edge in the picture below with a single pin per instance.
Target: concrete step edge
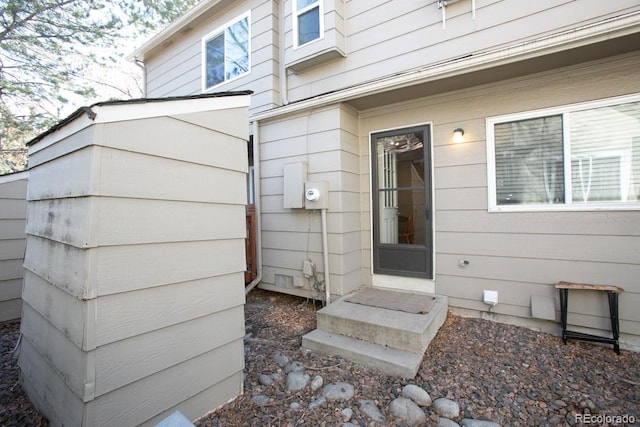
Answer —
(387, 360)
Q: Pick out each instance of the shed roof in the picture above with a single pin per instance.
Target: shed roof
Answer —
(90, 112)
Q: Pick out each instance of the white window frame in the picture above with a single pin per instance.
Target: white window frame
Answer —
(295, 13)
(216, 33)
(568, 204)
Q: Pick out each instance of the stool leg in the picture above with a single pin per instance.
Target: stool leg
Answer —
(615, 322)
(564, 294)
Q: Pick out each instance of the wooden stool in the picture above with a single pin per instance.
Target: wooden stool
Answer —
(612, 293)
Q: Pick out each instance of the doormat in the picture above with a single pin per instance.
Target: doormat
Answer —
(393, 300)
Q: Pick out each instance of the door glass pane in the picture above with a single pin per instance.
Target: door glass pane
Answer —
(529, 161)
(401, 189)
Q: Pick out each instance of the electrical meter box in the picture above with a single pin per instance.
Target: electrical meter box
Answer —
(295, 175)
(316, 194)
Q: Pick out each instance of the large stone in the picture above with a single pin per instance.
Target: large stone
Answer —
(297, 381)
(446, 408)
(408, 411)
(417, 394)
(369, 408)
(446, 422)
(338, 391)
(468, 422)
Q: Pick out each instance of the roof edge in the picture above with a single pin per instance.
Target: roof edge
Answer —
(174, 28)
(91, 114)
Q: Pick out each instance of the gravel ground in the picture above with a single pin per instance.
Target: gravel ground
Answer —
(15, 408)
(507, 374)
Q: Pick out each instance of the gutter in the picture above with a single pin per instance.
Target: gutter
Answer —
(592, 33)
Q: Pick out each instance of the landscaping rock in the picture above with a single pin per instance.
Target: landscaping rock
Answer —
(408, 411)
(446, 422)
(321, 401)
(347, 414)
(297, 381)
(417, 394)
(280, 359)
(446, 408)
(467, 422)
(338, 391)
(294, 366)
(316, 382)
(260, 400)
(369, 408)
(265, 379)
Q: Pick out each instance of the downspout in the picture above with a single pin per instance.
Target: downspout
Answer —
(325, 256)
(256, 195)
(283, 68)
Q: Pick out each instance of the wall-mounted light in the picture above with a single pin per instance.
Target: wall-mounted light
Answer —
(458, 135)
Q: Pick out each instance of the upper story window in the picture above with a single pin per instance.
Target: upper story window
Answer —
(307, 21)
(581, 157)
(226, 52)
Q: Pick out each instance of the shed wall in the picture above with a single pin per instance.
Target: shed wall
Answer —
(13, 211)
(134, 285)
(521, 254)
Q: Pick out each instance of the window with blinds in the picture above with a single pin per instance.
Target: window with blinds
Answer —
(585, 156)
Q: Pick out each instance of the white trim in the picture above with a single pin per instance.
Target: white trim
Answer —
(15, 176)
(140, 110)
(295, 14)
(563, 111)
(604, 30)
(203, 52)
(133, 111)
(76, 125)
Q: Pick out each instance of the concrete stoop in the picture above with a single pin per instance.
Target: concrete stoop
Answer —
(390, 341)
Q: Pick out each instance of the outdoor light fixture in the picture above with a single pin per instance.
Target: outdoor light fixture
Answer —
(458, 134)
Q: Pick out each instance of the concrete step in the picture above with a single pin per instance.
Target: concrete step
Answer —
(390, 361)
(390, 328)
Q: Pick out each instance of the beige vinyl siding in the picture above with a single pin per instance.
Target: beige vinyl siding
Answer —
(388, 37)
(13, 211)
(176, 69)
(522, 254)
(134, 298)
(327, 141)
